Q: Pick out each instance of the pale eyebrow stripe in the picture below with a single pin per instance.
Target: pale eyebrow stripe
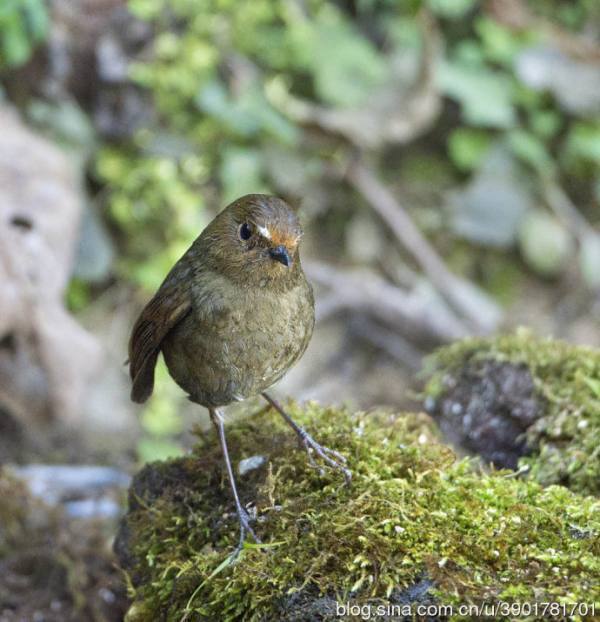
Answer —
(264, 231)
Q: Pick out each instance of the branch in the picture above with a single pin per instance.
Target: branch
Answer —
(561, 204)
(363, 290)
(470, 302)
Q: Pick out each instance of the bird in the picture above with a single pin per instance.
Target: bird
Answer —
(233, 315)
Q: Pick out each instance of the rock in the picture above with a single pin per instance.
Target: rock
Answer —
(487, 407)
(517, 400)
(249, 464)
(83, 491)
(46, 358)
(417, 527)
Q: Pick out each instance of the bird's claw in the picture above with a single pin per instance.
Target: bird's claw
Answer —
(331, 457)
(245, 528)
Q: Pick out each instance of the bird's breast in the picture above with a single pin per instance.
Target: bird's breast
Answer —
(240, 342)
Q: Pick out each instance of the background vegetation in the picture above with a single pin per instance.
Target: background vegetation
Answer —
(478, 119)
(445, 158)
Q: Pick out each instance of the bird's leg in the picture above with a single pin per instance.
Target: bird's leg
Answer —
(333, 458)
(217, 419)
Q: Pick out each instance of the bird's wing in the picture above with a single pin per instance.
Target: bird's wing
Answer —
(168, 307)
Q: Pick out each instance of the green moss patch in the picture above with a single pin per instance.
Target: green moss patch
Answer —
(416, 523)
(564, 439)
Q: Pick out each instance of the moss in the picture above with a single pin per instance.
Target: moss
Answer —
(16, 512)
(415, 524)
(564, 439)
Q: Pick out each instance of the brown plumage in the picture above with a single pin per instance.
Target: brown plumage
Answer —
(231, 317)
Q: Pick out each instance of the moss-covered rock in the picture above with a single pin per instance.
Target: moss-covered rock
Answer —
(416, 525)
(519, 399)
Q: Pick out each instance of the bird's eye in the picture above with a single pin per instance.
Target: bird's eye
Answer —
(245, 231)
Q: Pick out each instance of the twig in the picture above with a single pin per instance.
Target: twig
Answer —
(364, 290)
(480, 311)
(560, 203)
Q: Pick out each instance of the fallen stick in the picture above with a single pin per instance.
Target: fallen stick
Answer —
(364, 290)
(470, 302)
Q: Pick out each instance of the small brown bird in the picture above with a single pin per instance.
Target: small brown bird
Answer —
(231, 317)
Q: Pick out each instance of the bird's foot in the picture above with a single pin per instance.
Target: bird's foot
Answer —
(331, 457)
(245, 528)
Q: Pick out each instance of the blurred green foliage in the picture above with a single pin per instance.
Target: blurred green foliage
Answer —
(215, 68)
(23, 25)
(545, 244)
(219, 69)
(157, 205)
(161, 423)
(218, 74)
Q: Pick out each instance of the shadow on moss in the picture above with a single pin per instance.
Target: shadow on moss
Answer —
(416, 525)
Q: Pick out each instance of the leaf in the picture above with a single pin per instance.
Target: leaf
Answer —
(545, 123)
(594, 385)
(36, 17)
(485, 97)
(248, 114)
(500, 44)
(146, 9)
(574, 83)
(241, 172)
(545, 244)
(14, 44)
(489, 208)
(23, 24)
(451, 9)
(160, 418)
(467, 147)
(583, 142)
(532, 150)
(345, 65)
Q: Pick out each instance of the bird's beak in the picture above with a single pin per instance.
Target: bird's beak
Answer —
(281, 254)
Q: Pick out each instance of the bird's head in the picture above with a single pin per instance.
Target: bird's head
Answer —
(255, 240)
